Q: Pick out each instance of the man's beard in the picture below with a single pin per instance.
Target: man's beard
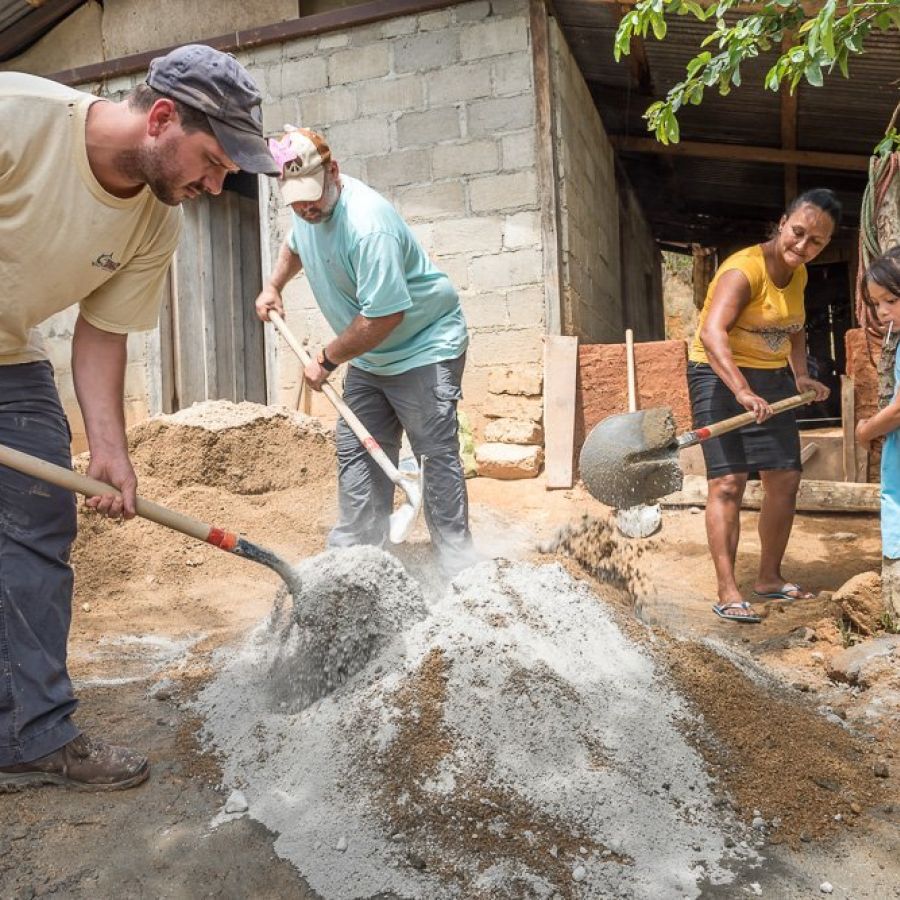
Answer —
(158, 169)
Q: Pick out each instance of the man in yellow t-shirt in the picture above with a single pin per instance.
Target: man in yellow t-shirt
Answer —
(89, 214)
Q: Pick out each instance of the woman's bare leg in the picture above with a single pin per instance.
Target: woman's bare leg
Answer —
(723, 531)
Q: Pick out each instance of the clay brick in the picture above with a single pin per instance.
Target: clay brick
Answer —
(522, 382)
(508, 462)
(507, 406)
(513, 431)
(661, 369)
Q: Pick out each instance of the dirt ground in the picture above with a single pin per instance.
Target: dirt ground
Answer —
(783, 739)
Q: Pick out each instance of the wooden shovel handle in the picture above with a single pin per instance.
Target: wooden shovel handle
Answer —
(347, 414)
(91, 487)
(698, 435)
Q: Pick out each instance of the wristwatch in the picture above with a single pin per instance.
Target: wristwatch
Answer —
(325, 362)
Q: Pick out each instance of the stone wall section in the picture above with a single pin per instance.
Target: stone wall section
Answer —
(514, 435)
(436, 112)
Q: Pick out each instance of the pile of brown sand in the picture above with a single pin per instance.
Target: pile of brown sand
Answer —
(261, 471)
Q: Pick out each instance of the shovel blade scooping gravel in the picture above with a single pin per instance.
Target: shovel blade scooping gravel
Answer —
(632, 458)
(404, 517)
(147, 509)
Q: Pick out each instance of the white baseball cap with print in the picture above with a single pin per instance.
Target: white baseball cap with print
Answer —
(302, 156)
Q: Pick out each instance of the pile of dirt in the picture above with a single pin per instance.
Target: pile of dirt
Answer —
(243, 448)
(264, 472)
(861, 604)
(776, 759)
(515, 742)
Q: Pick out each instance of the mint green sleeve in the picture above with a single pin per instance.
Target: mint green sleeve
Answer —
(381, 287)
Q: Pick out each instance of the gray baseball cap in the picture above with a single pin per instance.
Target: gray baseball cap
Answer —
(217, 84)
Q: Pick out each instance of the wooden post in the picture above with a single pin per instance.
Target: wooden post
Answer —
(560, 385)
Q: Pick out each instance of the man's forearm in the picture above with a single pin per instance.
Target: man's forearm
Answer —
(98, 371)
(287, 266)
(360, 336)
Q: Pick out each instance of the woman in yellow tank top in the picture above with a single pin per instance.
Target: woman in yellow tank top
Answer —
(750, 351)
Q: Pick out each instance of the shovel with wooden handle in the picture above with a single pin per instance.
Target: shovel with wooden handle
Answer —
(631, 458)
(404, 517)
(644, 519)
(147, 509)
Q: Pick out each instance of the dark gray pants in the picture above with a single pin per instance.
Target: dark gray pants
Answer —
(421, 402)
(37, 528)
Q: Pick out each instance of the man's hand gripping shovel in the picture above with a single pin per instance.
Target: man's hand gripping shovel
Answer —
(404, 518)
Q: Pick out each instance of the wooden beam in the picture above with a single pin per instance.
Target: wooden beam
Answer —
(813, 496)
(306, 26)
(814, 159)
(560, 389)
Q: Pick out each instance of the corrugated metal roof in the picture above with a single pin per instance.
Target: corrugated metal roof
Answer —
(22, 22)
(702, 195)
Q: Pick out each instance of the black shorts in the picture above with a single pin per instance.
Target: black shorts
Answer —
(775, 444)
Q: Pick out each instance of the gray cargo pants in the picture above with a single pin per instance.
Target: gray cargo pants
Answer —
(37, 528)
(423, 403)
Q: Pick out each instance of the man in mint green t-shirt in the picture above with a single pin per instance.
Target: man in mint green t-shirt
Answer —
(399, 325)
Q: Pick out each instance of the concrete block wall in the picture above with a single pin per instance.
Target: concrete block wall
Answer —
(589, 206)
(436, 112)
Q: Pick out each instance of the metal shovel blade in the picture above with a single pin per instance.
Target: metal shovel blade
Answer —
(631, 458)
(404, 518)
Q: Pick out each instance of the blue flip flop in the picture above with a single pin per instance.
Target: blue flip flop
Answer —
(721, 610)
(788, 589)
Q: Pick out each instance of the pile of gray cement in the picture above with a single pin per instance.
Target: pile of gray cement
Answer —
(509, 741)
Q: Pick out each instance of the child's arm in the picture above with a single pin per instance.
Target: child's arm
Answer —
(883, 422)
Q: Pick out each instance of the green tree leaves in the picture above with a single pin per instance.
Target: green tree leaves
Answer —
(811, 46)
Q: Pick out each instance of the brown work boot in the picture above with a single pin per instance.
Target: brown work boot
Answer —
(82, 764)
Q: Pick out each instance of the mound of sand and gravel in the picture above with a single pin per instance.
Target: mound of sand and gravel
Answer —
(513, 743)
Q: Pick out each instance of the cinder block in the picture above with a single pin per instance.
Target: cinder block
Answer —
(301, 75)
(334, 41)
(518, 151)
(527, 306)
(276, 115)
(300, 48)
(513, 75)
(523, 381)
(456, 268)
(472, 12)
(510, 406)
(362, 137)
(359, 63)
(508, 347)
(503, 192)
(395, 27)
(391, 95)
(323, 108)
(508, 462)
(508, 269)
(469, 158)
(503, 9)
(434, 21)
(355, 167)
(441, 200)
(429, 127)
(485, 311)
(522, 230)
(431, 50)
(399, 167)
(424, 232)
(473, 234)
(453, 84)
(499, 114)
(264, 56)
(365, 35)
(493, 38)
(513, 431)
